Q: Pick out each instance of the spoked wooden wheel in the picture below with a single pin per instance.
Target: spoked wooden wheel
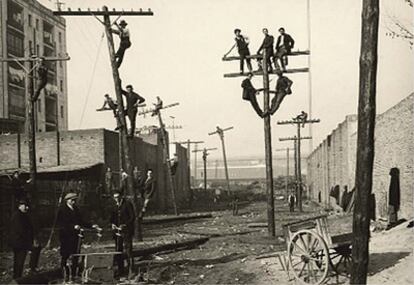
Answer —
(308, 257)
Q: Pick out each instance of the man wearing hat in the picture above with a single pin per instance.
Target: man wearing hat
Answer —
(22, 240)
(250, 93)
(132, 101)
(70, 221)
(283, 88)
(122, 223)
(284, 46)
(125, 43)
(242, 43)
(41, 80)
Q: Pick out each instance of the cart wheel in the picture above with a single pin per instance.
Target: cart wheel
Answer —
(308, 257)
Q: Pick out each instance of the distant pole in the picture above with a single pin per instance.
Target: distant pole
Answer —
(195, 165)
(30, 130)
(365, 140)
(310, 71)
(205, 168)
(287, 172)
(268, 152)
(295, 158)
(300, 190)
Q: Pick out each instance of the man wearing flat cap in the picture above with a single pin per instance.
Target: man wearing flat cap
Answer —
(125, 43)
(132, 101)
(70, 221)
(21, 239)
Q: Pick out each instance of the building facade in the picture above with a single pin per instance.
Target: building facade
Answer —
(333, 162)
(27, 27)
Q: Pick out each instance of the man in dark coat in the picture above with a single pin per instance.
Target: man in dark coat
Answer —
(21, 239)
(283, 86)
(132, 102)
(70, 222)
(149, 188)
(242, 43)
(267, 44)
(292, 202)
(122, 222)
(41, 80)
(18, 186)
(250, 93)
(284, 45)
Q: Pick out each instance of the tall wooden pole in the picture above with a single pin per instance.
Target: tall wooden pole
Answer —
(300, 191)
(268, 153)
(195, 165)
(30, 131)
(287, 172)
(205, 168)
(365, 140)
(123, 128)
(226, 170)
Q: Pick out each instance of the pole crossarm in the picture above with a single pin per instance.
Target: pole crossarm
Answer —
(205, 149)
(19, 59)
(154, 109)
(259, 56)
(188, 142)
(260, 72)
(175, 127)
(295, 138)
(99, 12)
(220, 130)
(293, 122)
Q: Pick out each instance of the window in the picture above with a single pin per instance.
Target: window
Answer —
(60, 37)
(30, 20)
(61, 85)
(15, 44)
(37, 49)
(37, 24)
(31, 47)
(39, 105)
(61, 112)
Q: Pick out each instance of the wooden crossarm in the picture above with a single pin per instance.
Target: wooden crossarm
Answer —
(257, 72)
(259, 56)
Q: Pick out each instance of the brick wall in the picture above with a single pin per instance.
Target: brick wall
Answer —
(333, 162)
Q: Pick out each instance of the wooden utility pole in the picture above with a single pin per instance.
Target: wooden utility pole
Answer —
(205, 154)
(365, 142)
(124, 147)
(298, 172)
(220, 133)
(157, 112)
(188, 143)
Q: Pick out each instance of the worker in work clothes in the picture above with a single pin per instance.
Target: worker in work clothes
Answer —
(284, 46)
(283, 86)
(132, 102)
(70, 222)
(174, 164)
(122, 223)
(250, 93)
(291, 202)
(17, 185)
(302, 117)
(21, 240)
(242, 43)
(41, 80)
(267, 45)
(149, 189)
(113, 105)
(123, 32)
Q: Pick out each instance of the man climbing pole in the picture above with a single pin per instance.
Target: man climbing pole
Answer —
(242, 43)
(283, 86)
(250, 93)
(174, 164)
(267, 44)
(41, 81)
(125, 42)
(284, 46)
(132, 100)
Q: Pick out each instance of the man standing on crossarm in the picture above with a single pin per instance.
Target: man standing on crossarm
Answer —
(267, 45)
(242, 43)
(122, 223)
(284, 46)
(132, 101)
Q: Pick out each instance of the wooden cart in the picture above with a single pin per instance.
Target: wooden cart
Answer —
(312, 250)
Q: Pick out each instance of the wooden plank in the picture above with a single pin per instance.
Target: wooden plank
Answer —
(292, 70)
(258, 56)
(161, 220)
(103, 13)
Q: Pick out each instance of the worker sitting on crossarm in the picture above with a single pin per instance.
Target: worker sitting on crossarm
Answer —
(157, 107)
(125, 42)
(113, 105)
(284, 46)
(302, 117)
(250, 93)
(132, 101)
(283, 86)
(41, 80)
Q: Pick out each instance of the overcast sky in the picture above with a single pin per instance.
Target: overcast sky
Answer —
(176, 54)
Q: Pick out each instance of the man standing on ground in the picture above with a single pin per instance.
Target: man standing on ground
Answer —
(250, 93)
(284, 46)
(267, 44)
(122, 223)
(242, 43)
(292, 202)
(125, 42)
(70, 221)
(149, 188)
(283, 86)
(132, 102)
(21, 239)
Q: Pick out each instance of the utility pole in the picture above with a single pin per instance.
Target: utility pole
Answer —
(33, 61)
(267, 128)
(220, 133)
(189, 143)
(157, 112)
(287, 171)
(205, 154)
(365, 142)
(124, 147)
(298, 173)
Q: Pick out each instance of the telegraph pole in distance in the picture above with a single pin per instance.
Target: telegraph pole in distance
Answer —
(287, 170)
(220, 133)
(205, 152)
(189, 143)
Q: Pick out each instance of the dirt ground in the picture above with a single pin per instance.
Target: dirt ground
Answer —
(229, 257)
